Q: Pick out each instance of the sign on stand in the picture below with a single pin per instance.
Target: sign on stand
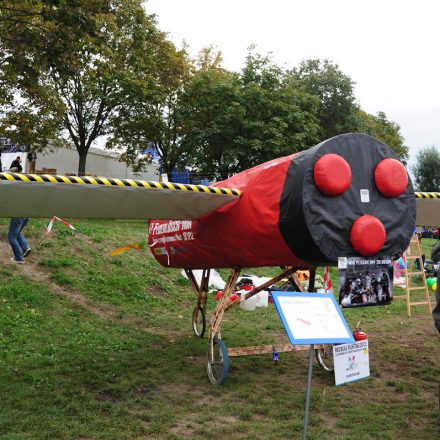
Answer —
(351, 362)
(312, 318)
(309, 319)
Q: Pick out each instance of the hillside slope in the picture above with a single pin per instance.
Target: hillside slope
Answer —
(100, 347)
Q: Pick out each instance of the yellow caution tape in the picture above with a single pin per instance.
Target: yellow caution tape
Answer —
(106, 181)
(121, 250)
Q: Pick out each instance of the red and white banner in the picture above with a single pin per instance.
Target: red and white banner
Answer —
(327, 280)
(51, 223)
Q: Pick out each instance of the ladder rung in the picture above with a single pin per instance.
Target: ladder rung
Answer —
(412, 257)
(418, 288)
(419, 303)
(415, 273)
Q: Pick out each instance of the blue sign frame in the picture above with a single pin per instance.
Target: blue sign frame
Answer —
(290, 333)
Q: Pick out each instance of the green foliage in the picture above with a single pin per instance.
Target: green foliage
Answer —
(387, 131)
(334, 89)
(156, 122)
(427, 170)
(74, 67)
(239, 120)
(83, 69)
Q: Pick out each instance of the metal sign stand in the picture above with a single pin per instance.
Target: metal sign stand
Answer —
(309, 390)
(311, 319)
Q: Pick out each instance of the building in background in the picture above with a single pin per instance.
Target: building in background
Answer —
(64, 161)
(10, 152)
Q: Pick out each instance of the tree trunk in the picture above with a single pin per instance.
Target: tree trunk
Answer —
(82, 163)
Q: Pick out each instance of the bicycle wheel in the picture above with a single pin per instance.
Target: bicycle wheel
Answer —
(324, 356)
(218, 365)
(199, 321)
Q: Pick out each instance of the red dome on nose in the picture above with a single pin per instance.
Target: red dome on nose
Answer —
(391, 177)
(332, 174)
(367, 235)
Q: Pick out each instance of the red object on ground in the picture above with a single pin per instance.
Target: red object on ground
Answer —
(219, 294)
(359, 335)
(332, 174)
(391, 177)
(367, 235)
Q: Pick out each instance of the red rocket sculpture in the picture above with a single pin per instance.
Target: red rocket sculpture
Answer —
(347, 196)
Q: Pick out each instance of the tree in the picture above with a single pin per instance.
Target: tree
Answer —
(387, 131)
(337, 110)
(240, 120)
(156, 123)
(427, 170)
(76, 66)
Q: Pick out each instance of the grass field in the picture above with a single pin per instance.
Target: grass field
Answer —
(100, 347)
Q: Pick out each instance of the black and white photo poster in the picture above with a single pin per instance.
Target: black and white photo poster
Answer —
(365, 282)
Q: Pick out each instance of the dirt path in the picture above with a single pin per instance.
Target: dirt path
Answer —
(102, 311)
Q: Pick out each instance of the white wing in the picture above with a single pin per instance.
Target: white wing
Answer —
(31, 195)
(428, 209)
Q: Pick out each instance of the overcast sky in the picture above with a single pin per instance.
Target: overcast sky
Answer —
(389, 48)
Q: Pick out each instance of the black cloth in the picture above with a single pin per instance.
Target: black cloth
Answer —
(32, 156)
(435, 257)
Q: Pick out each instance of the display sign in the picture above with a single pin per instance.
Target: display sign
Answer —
(365, 281)
(351, 362)
(311, 318)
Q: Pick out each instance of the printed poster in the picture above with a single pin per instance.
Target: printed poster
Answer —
(351, 362)
(365, 282)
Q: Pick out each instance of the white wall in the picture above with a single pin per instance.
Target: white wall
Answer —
(65, 160)
(7, 159)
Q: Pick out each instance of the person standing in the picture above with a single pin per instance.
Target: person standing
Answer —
(32, 159)
(435, 257)
(17, 240)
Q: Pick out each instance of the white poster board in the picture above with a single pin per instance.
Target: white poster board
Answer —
(351, 362)
(311, 318)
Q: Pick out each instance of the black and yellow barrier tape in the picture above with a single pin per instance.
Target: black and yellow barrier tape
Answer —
(88, 180)
(427, 195)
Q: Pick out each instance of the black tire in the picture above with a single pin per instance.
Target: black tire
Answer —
(218, 367)
(199, 321)
(324, 356)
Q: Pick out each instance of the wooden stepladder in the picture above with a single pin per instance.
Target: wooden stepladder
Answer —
(412, 254)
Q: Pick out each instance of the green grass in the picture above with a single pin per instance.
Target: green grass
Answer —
(100, 347)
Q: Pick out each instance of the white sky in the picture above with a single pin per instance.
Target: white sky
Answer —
(389, 48)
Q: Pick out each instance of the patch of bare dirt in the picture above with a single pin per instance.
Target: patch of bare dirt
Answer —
(42, 274)
(157, 291)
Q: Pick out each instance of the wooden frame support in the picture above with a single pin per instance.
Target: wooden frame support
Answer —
(267, 349)
(201, 290)
(223, 302)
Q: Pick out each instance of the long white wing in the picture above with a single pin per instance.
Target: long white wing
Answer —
(428, 209)
(31, 195)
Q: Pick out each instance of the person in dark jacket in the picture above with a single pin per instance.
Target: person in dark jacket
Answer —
(435, 257)
(32, 159)
(16, 165)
